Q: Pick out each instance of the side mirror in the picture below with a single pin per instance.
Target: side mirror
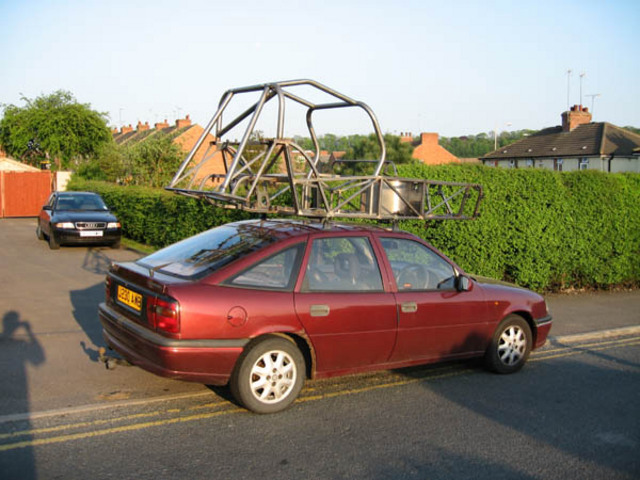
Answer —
(463, 283)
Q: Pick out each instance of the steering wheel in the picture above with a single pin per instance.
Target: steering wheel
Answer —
(413, 277)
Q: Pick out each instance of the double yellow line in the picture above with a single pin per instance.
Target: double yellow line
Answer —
(24, 438)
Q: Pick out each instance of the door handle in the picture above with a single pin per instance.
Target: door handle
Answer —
(319, 310)
(409, 307)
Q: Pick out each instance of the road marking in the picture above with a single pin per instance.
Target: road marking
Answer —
(229, 409)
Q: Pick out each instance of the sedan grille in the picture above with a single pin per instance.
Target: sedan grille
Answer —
(90, 225)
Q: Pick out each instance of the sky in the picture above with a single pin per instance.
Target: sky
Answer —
(455, 68)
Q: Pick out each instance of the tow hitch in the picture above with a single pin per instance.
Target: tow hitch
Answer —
(111, 362)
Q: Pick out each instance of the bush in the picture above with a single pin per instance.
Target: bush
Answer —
(156, 217)
(542, 229)
(537, 228)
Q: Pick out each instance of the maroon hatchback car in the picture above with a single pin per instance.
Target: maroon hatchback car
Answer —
(264, 304)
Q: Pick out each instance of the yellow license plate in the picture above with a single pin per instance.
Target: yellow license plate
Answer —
(129, 298)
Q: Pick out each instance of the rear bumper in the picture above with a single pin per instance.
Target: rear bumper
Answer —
(204, 361)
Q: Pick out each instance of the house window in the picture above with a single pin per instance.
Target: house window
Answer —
(529, 163)
(512, 163)
(583, 163)
(557, 164)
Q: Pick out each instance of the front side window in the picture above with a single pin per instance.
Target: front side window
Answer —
(415, 267)
(277, 272)
(344, 264)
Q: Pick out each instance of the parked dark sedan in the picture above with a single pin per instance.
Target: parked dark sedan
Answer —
(77, 218)
(263, 305)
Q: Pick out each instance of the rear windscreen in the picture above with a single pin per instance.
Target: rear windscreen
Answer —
(208, 251)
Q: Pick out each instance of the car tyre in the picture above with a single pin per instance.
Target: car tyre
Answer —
(39, 233)
(510, 346)
(53, 243)
(269, 375)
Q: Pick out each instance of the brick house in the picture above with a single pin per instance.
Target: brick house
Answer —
(428, 150)
(578, 144)
(184, 134)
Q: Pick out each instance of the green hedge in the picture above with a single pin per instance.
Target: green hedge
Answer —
(154, 216)
(543, 229)
(537, 228)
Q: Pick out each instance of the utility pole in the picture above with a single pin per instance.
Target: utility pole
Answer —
(568, 89)
(593, 99)
(582, 75)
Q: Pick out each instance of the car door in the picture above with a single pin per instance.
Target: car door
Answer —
(435, 320)
(350, 319)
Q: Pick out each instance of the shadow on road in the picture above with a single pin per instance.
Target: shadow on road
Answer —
(20, 349)
(599, 428)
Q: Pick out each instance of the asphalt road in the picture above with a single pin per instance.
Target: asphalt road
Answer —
(571, 413)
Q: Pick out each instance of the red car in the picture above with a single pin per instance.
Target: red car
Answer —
(264, 304)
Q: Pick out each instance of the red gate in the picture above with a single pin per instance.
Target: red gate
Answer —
(22, 194)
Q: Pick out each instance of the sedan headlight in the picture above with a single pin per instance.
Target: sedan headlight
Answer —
(65, 225)
(113, 225)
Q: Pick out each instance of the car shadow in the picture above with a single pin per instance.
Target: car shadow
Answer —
(85, 312)
(85, 301)
(551, 414)
(96, 260)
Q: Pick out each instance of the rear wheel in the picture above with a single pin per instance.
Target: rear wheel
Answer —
(269, 375)
(510, 346)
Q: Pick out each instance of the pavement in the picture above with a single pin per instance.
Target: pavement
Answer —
(596, 314)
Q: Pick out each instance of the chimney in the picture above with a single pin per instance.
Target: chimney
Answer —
(160, 126)
(142, 126)
(406, 137)
(577, 115)
(126, 129)
(428, 138)
(183, 122)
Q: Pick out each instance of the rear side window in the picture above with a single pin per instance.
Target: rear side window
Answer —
(415, 267)
(344, 264)
(208, 251)
(277, 272)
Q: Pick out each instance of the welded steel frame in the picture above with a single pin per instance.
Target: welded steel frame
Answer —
(249, 184)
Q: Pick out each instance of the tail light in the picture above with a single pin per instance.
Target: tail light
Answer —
(164, 315)
(107, 287)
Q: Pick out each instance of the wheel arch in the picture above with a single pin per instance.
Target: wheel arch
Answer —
(301, 341)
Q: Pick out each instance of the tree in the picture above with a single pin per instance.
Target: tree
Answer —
(152, 162)
(475, 146)
(54, 127)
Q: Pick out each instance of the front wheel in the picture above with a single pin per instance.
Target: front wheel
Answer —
(510, 346)
(269, 375)
(53, 243)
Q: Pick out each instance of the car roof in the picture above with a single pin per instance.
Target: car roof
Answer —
(76, 194)
(291, 228)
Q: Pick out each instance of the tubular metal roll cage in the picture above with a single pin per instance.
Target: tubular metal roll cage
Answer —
(251, 183)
